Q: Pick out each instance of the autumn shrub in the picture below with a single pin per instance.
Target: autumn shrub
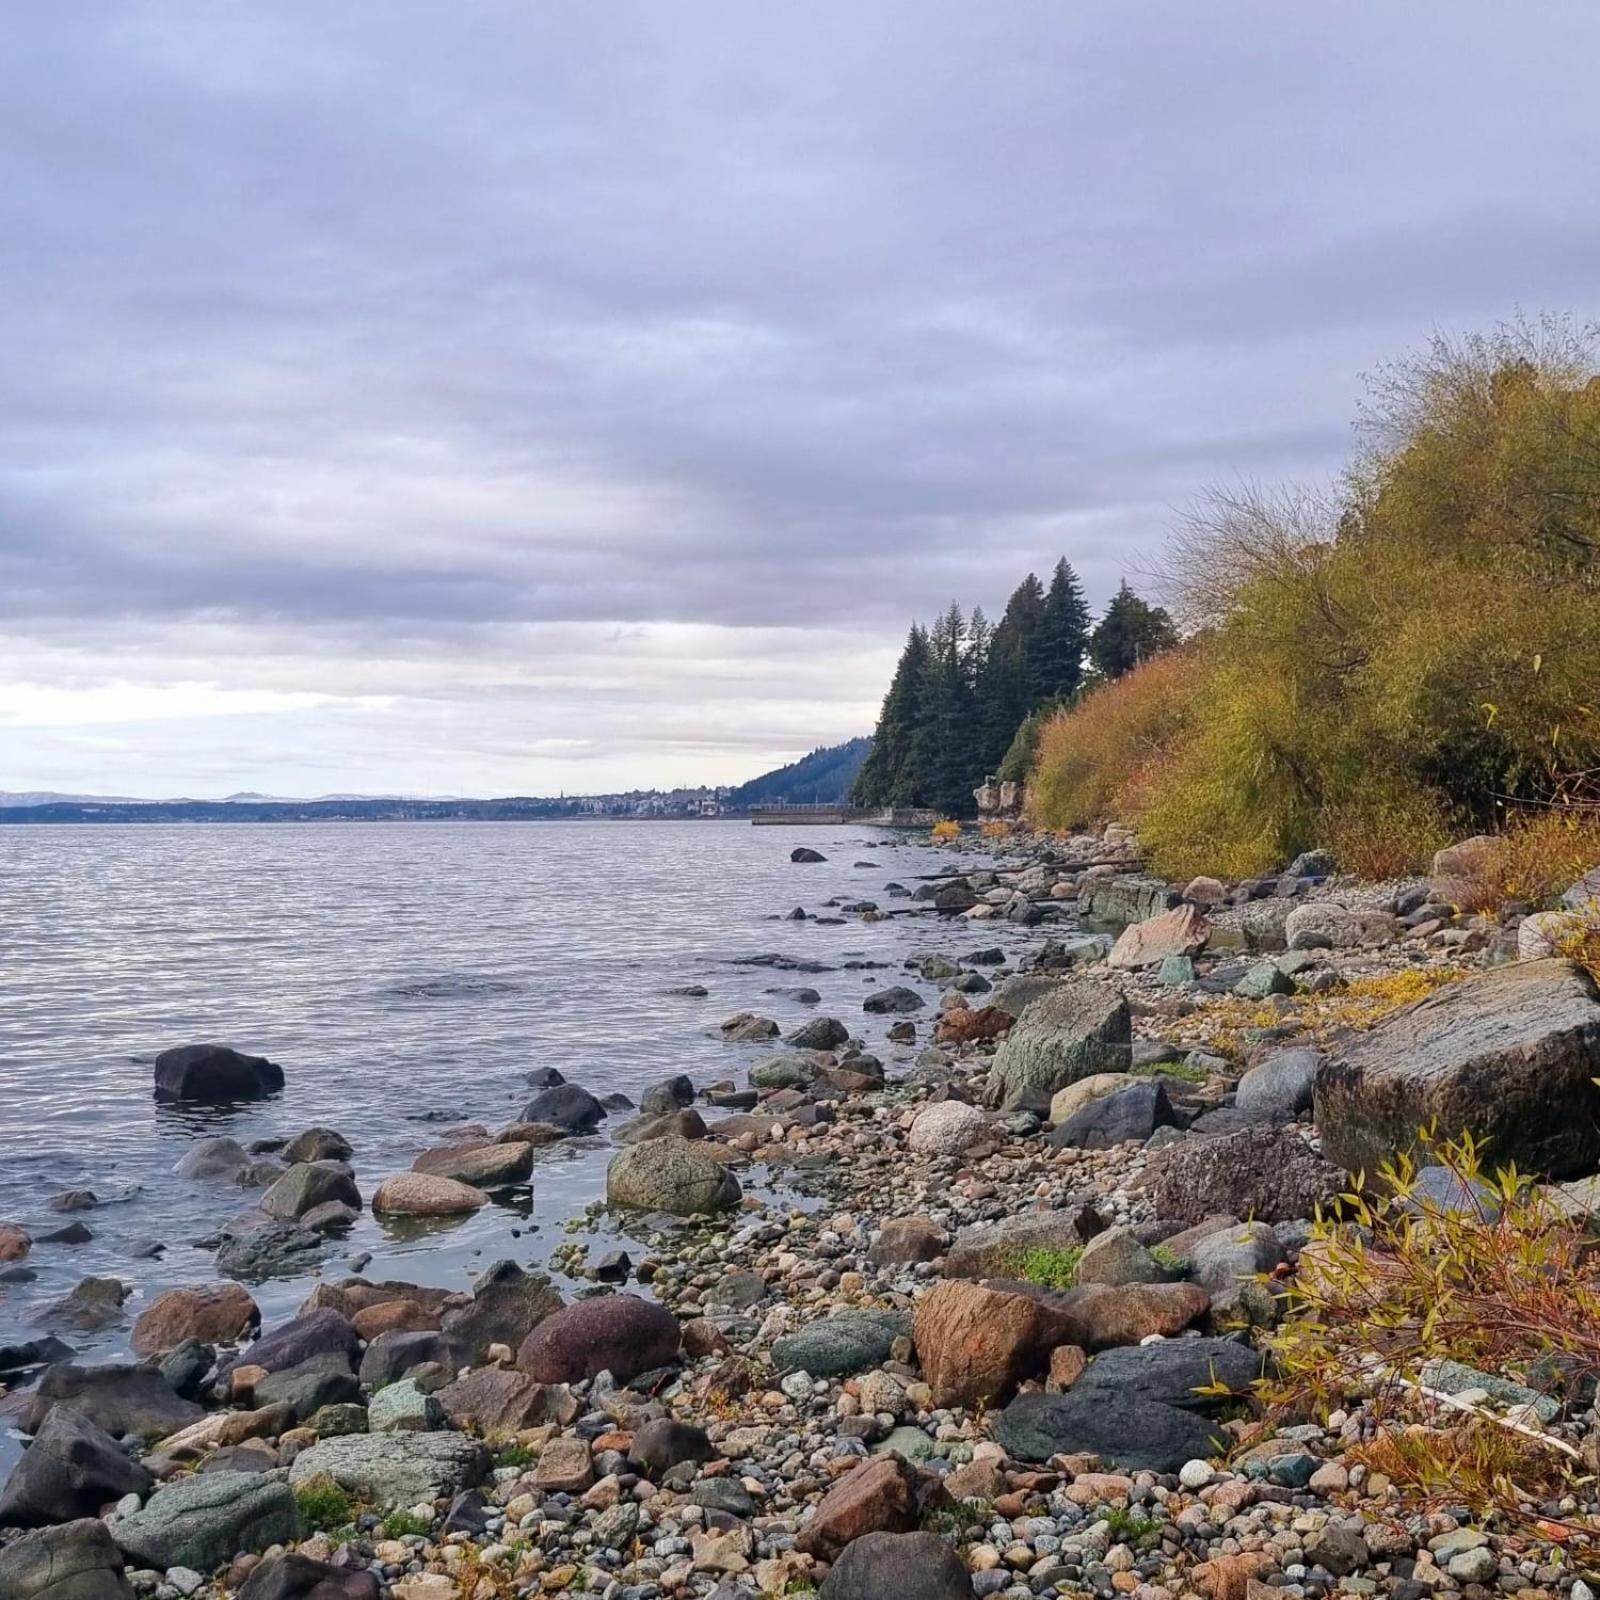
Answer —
(1539, 856)
(1499, 1280)
(1097, 759)
(946, 830)
(1409, 658)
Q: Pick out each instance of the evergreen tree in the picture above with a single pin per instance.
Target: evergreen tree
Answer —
(951, 744)
(900, 742)
(1007, 687)
(1130, 632)
(1062, 637)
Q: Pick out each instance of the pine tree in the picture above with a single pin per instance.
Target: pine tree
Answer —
(900, 741)
(951, 746)
(1007, 694)
(1130, 632)
(1062, 637)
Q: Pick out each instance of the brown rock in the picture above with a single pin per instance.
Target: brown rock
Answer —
(565, 1466)
(531, 1133)
(418, 1194)
(394, 1316)
(214, 1313)
(486, 1166)
(1178, 932)
(1067, 1362)
(977, 1343)
(877, 1497)
(224, 1428)
(495, 1400)
(903, 1241)
(355, 1294)
(1269, 1174)
(15, 1242)
(972, 1027)
(618, 1333)
(1130, 1312)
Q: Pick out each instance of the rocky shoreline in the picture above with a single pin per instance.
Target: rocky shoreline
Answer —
(953, 1351)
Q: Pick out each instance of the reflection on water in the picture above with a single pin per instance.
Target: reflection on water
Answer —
(406, 977)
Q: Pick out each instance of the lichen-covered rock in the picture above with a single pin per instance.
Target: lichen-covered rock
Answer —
(947, 1128)
(1075, 1030)
(202, 1521)
(1510, 1055)
(396, 1469)
(1263, 1172)
(680, 1176)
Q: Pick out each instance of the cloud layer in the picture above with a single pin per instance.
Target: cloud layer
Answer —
(507, 397)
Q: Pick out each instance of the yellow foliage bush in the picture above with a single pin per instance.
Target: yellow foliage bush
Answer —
(1538, 856)
(946, 830)
(1374, 671)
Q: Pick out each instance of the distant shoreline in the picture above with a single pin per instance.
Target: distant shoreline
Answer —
(225, 813)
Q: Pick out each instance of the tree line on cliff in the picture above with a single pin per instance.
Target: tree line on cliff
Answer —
(968, 696)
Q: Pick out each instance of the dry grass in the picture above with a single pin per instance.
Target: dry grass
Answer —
(945, 831)
(1534, 861)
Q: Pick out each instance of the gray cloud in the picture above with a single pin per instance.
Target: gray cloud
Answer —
(419, 356)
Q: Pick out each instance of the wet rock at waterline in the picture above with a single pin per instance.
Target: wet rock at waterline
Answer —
(71, 1470)
(419, 1194)
(678, 1176)
(565, 1106)
(213, 1074)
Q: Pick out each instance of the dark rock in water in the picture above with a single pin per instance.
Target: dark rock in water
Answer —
(73, 1233)
(1127, 1115)
(218, 1312)
(309, 1184)
(297, 1577)
(119, 1397)
(613, 1267)
(92, 1304)
(663, 1098)
(273, 1250)
(316, 1333)
(213, 1074)
(685, 1124)
(616, 1333)
(543, 1078)
(71, 1469)
(332, 1216)
(146, 1250)
(689, 991)
(820, 1033)
(72, 1561)
(1267, 1173)
(565, 1106)
(202, 1521)
(73, 1200)
(910, 1564)
(317, 1144)
(798, 992)
(843, 1344)
(33, 1353)
(616, 1102)
(893, 1001)
(507, 1305)
(1510, 1055)
(664, 1443)
(746, 1028)
(802, 853)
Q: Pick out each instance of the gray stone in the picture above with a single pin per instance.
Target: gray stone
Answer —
(1267, 1173)
(678, 1176)
(1510, 1055)
(1280, 1086)
(212, 1159)
(1264, 979)
(820, 1033)
(1078, 1029)
(841, 1345)
(71, 1470)
(1117, 1257)
(307, 1185)
(205, 1520)
(73, 1561)
(1129, 1114)
(403, 1407)
(1221, 1260)
(119, 1397)
(396, 1469)
(893, 1001)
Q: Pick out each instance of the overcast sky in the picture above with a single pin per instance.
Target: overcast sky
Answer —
(501, 396)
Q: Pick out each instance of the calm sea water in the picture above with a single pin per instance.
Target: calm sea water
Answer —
(405, 977)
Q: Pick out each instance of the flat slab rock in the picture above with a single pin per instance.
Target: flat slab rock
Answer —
(396, 1469)
(1510, 1055)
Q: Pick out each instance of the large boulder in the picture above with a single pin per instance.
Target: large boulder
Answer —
(202, 1521)
(314, 1333)
(879, 1496)
(845, 1343)
(977, 1343)
(213, 1074)
(507, 1305)
(616, 1333)
(72, 1469)
(1280, 1086)
(911, 1564)
(417, 1194)
(118, 1397)
(71, 1561)
(1128, 1114)
(214, 1159)
(396, 1469)
(679, 1176)
(1263, 1172)
(482, 1166)
(998, 1249)
(565, 1106)
(270, 1249)
(1077, 1029)
(1179, 932)
(494, 1400)
(1510, 1056)
(305, 1186)
(213, 1313)
(1136, 1408)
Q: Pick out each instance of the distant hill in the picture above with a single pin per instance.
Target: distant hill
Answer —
(822, 778)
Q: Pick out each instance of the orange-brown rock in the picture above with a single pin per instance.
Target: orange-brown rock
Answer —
(1067, 1362)
(15, 1242)
(213, 1313)
(977, 1343)
(1127, 1313)
(880, 1496)
(394, 1316)
(971, 1027)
